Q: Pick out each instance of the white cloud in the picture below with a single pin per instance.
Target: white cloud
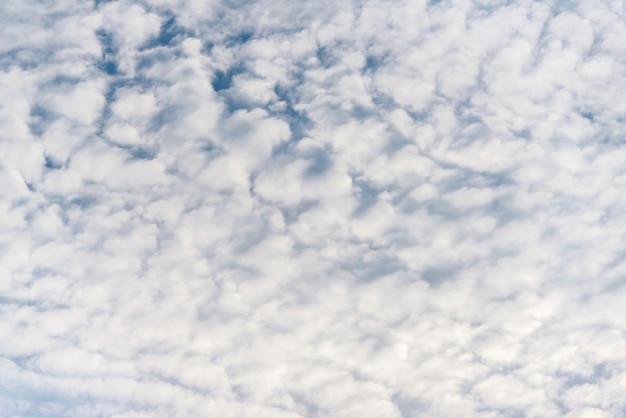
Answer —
(322, 209)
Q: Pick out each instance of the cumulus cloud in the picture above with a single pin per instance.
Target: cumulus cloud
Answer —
(342, 209)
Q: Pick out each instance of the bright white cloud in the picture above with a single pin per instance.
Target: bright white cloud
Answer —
(279, 209)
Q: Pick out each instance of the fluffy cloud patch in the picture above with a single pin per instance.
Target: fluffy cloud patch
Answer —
(386, 209)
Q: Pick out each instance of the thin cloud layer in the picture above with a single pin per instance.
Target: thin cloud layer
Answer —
(271, 209)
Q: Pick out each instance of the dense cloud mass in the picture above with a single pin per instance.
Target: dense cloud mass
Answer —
(365, 208)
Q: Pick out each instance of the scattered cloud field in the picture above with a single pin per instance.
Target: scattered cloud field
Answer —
(365, 208)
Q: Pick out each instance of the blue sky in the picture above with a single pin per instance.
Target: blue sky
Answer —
(299, 209)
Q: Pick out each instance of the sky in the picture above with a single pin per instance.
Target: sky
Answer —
(333, 208)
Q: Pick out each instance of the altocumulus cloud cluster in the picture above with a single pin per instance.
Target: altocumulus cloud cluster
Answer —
(273, 208)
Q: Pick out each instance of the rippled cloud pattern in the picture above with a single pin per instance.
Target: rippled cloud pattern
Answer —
(272, 208)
